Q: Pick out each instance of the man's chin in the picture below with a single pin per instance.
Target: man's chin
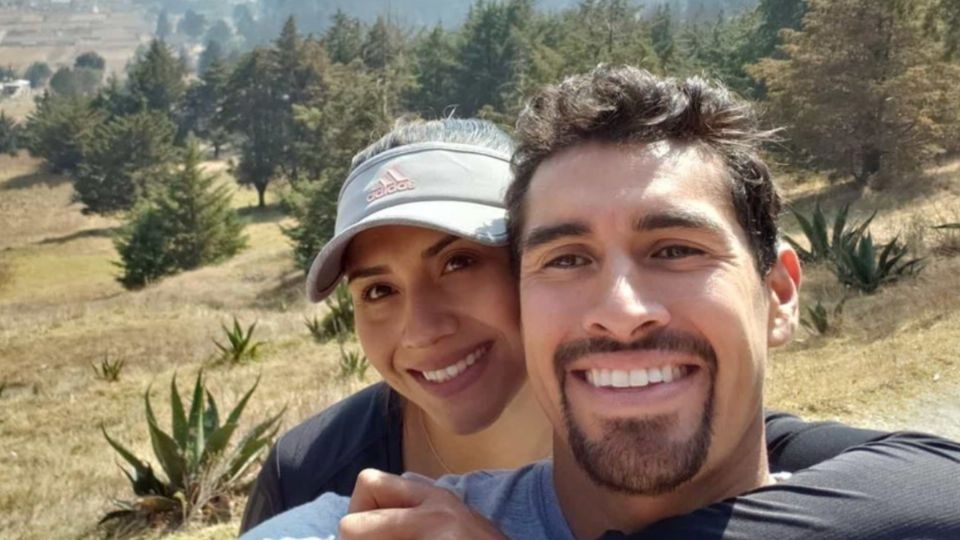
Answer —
(648, 455)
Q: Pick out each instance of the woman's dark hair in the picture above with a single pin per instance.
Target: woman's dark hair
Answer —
(624, 104)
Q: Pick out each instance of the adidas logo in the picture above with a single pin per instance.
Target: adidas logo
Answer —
(392, 182)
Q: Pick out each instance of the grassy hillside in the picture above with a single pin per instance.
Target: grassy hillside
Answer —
(891, 363)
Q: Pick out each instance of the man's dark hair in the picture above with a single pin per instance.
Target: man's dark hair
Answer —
(623, 104)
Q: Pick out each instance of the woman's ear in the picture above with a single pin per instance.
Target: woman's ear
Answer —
(783, 282)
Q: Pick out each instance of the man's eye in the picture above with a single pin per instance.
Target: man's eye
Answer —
(677, 252)
(458, 262)
(567, 261)
(376, 292)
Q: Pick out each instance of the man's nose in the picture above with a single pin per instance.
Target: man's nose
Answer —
(626, 305)
(428, 319)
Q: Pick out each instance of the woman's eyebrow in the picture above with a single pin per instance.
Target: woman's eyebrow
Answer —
(438, 246)
(369, 271)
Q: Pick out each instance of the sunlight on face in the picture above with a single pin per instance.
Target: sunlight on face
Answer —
(645, 319)
(438, 317)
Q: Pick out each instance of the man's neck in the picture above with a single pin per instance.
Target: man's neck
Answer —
(591, 510)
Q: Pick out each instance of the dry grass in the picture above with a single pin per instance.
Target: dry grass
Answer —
(891, 361)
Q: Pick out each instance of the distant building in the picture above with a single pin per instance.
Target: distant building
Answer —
(15, 88)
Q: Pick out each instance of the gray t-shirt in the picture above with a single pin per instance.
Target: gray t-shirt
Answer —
(522, 502)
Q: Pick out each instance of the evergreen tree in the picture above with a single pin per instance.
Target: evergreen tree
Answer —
(213, 52)
(187, 223)
(865, 92)
(246, 25)
(9, 135)
(157, 78)
(90, 60)
(774, 16)
(607, 31)
(661, 35)
(435, 69)
(344, 38)
(490, 54)
(252, 105)
(950, 13)
(164, 28)
(383, 44)
(203, 103)
(58, 129)
(121, 158)
(192, 25)
(38, 74)
(75, 82)
(220, 33)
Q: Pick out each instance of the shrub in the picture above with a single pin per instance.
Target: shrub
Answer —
(859, 264)
(824, 239)
(108, 370)
(816, 319)
(202, 471)
(352, 362)
(339, 318)
(240, 345)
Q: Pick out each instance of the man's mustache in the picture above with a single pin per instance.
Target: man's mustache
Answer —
(661, 340)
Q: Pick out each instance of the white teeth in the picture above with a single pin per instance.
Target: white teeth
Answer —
(634, 378)
(453, 370)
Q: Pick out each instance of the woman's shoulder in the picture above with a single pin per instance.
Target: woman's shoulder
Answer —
(329, 448)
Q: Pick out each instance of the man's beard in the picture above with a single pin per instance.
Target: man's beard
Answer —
(636, 456)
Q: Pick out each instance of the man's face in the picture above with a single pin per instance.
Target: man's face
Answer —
(646, 323)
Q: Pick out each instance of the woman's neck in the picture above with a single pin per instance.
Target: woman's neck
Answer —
(519, 436)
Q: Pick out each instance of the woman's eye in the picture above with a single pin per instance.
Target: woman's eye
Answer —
(567, 261)
(376, 292)
(677, 252)
(458, 262)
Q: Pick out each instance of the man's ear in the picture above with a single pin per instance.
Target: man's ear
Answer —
(783, 282)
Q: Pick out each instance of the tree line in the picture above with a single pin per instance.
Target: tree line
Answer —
(865, 89)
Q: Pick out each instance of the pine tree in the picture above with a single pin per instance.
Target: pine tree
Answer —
(192, 24)
(344, 38)
(220, 33)
(59, 129)
(252, 105)
(38, 74)
(157, 78)
(164, 28)
(121, 158)
(203, 102)
(866, 93)
(9, 135)
(435, 69)
(186, 224)
(661, 35)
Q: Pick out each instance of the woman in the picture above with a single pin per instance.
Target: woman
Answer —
(420, 239)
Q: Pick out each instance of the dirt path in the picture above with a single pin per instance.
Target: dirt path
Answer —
(937, 412)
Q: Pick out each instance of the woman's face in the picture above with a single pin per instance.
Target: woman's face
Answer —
(438, 317)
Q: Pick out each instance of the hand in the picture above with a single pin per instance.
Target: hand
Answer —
(387, 506)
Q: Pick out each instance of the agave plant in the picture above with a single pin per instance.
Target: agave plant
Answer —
(108, 370)
(858, 263)
(823, 240)
(240, 345)
(817, 319)
(200, 467)
(339, 318)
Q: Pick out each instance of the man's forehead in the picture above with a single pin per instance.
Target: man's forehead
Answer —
(664, 169)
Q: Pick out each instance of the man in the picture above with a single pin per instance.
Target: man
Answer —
(652, 287)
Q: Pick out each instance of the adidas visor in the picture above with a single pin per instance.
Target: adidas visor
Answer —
(454, 188)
